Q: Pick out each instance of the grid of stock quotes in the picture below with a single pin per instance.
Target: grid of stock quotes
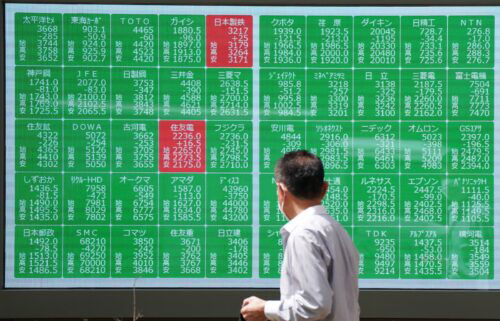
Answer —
(141, 142)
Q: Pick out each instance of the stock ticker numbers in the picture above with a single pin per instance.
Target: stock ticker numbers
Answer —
(145, 144)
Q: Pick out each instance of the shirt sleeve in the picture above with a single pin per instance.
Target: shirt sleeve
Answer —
(308, 268)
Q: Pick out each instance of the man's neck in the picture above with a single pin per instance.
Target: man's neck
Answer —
(298, 206)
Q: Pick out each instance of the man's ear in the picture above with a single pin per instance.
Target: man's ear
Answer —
(281, 188)
(324, 189)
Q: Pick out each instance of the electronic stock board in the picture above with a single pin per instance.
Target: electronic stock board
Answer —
(141, 140)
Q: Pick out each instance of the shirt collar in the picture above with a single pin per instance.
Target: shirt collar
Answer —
(288, 228)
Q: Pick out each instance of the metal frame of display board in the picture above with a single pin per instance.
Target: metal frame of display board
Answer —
(213, 303)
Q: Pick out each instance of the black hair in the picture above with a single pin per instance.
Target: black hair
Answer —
(302, 173)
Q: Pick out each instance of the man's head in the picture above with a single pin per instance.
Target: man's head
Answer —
(301, 179)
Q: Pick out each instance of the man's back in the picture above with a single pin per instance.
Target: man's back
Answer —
(320, 270)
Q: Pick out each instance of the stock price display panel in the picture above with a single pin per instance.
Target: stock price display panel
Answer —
(140, 141)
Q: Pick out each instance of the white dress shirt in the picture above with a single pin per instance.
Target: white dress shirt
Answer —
(319, 275)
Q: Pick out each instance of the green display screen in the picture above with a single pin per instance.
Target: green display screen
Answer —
(141, 141)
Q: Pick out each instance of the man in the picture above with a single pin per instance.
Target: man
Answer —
(319, 274)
